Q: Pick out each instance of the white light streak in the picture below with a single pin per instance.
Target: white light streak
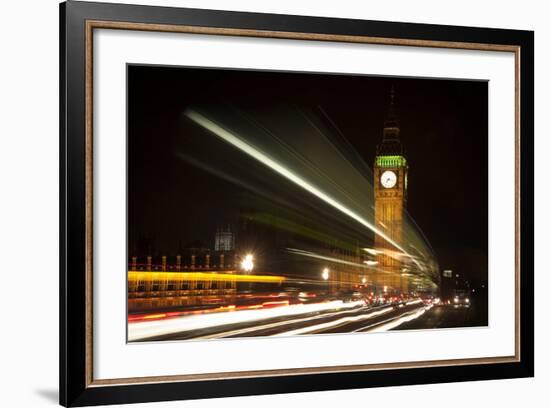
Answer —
(399, 321)
(274, 325)
(328, 258)
(146, 329)
(283, 171)
(335, 323)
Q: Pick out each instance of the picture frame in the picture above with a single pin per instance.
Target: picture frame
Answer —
(78, 23)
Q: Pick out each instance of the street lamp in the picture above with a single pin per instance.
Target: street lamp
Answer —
(325, 275)
(248, 263)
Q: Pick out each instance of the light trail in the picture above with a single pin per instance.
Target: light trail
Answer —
(332, 259)
(151, 276)
(146, 329)
(399, 321)
(283, 171)
(277, 324)
(336, 323)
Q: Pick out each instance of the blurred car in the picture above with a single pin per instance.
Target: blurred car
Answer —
(461, 301)
(351, 296)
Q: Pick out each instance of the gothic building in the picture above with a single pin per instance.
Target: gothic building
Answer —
(390, 198)
(224, 240)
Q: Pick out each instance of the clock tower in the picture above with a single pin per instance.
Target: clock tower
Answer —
(390, 198)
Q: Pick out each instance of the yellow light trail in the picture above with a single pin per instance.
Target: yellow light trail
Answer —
(155, 316)
(150, 276)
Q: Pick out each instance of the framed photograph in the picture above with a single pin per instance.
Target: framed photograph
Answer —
(256, 204)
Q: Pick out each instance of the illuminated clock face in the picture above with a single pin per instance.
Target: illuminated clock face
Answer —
(388, 179)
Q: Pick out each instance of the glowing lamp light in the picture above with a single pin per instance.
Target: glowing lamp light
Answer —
(248, 263)
(364, 280)
(325, 275)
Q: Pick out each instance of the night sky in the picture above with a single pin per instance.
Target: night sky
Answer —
(444, 131)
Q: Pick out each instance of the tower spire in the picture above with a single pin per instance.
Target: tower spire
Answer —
(391, 118)
(391, 144)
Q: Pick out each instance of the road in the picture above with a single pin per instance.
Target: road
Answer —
(301, 319)
(447, 316)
